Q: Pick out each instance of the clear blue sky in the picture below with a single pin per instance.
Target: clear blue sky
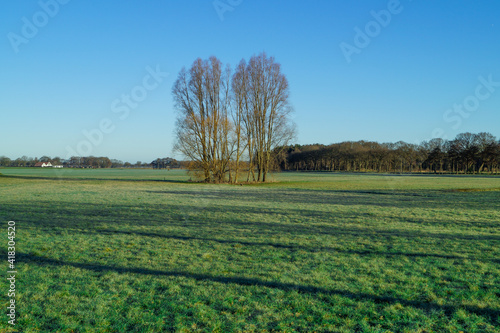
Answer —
(66, 76)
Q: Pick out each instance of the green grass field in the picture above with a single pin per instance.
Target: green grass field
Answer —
(146, 251)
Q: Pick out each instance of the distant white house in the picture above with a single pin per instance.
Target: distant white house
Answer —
(43, 164)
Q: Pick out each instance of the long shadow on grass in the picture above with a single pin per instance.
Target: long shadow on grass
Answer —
(491, 314)
(379, 198)
(292, 247)
(93, 216)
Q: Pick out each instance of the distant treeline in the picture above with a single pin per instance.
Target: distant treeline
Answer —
(91, 162)
(467, 153)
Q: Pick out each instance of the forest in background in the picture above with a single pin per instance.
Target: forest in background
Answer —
(467, 153)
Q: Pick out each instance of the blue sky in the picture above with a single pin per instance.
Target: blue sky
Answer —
(68, 75)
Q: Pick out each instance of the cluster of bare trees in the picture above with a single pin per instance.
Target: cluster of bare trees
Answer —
(226, 117)
(467, 153)
(88, 162)
(165, 163)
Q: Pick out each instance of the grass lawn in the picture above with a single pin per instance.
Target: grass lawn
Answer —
(145, 251)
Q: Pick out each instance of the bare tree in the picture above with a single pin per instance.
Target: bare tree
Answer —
(203, 128)
(485, 142)
(467, 144)
(267, 110)
(240, 116)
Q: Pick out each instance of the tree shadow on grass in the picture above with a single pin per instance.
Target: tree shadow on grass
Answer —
(93, 216)
(291, 247)
(378, 198)
(491, 315)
